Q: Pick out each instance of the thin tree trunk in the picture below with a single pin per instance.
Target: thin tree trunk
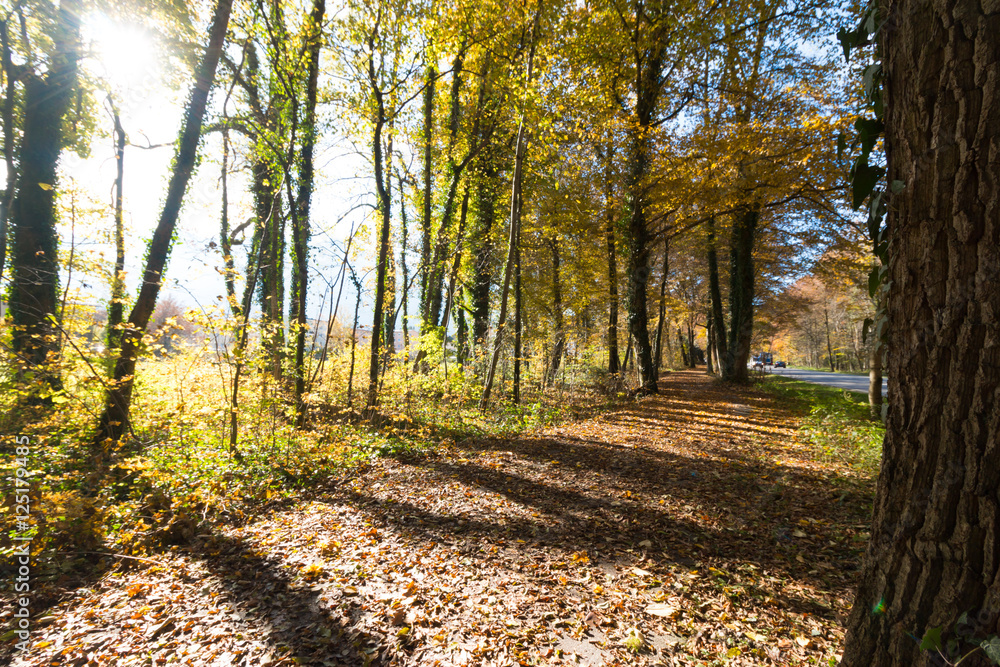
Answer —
(515, 221)
(425, 219)
(718, 322)
(518, 324)
(614, 363)
(829, 346)
(354, 337)
(404, 230)
(558, 329)
(383, 207)
(114, 422)
(225, 242)
(303, 200)
(662, 315)
(116, 309)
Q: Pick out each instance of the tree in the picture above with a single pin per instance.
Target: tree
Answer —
(932, 557)
(114, 421)
(35, 274)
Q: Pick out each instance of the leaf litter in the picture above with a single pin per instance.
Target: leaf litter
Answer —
(676, 531)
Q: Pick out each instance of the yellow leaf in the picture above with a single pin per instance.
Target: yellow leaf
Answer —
(45, 186)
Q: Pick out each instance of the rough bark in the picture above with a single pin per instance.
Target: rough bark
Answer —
(115, 420)
(486, 200)
(741, 294)
(934, 552)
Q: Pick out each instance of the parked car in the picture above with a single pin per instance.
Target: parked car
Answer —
(780, 364)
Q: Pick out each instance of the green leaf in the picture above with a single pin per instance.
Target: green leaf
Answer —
(897, 187)
(863, 181)
(841, 145)
(873, 283)
(931, 640)
(992, 649)
(871, 78)
(848, 39)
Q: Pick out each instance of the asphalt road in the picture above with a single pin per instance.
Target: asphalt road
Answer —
(840, 380)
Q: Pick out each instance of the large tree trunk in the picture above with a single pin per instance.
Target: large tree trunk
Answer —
(115, 420)
(35, 274)
(741, 295)
(934, 552)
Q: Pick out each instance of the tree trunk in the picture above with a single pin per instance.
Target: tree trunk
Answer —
(116, 309)
(486, 196)
(934, 554)
(614, 363)
(741, 295)
(710, 352)
(515, 221)
(303, 200)
(875, 381)
(518, 324)
(225, 242)
(430, 78)
(662, 314)
(35, 272)
(115, 420)
(7, 115)
(558, 329)
(715, 297)
(829, 346)
(383, 208)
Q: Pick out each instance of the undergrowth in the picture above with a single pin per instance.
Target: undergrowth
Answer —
(176, 475)
(836, 422)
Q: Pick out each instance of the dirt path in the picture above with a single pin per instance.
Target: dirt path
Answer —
(691, 528)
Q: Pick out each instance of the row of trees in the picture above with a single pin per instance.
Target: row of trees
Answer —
(552, 151)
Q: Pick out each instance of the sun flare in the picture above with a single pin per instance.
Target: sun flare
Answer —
(125, 55)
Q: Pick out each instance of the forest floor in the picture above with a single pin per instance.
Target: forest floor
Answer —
(697, 527)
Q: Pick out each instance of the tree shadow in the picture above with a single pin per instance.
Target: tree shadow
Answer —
(298, 620)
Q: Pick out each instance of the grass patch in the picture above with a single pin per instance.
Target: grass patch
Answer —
(837, 422)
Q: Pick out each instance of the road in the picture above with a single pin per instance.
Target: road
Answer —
(840, 380)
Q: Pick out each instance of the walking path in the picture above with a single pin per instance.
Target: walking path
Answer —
(688, 528)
